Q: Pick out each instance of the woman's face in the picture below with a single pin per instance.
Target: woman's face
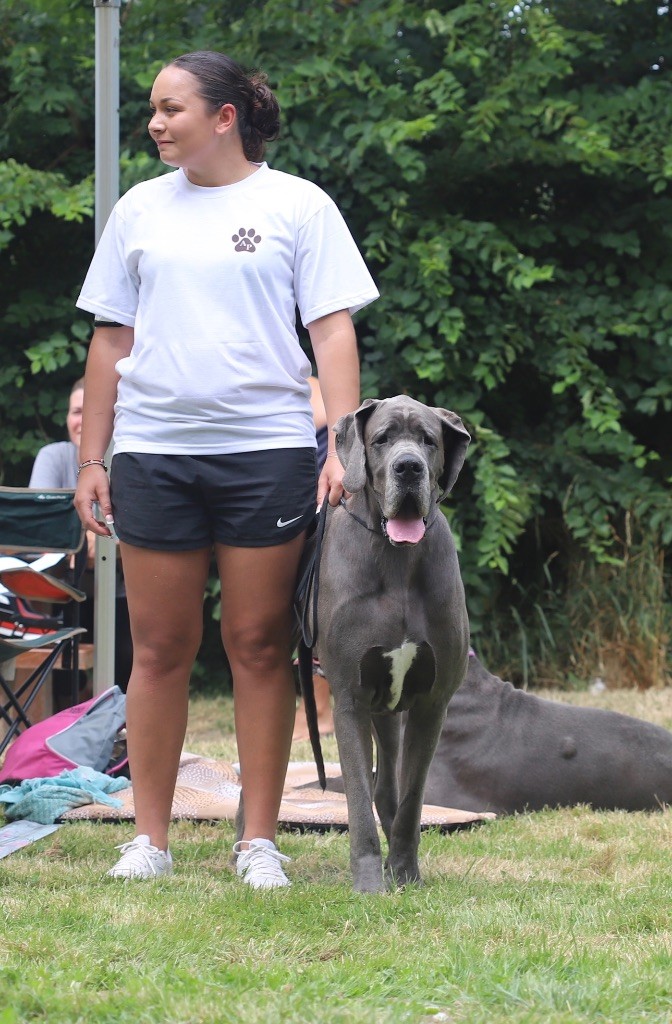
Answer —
(74, 417)
(181, 126)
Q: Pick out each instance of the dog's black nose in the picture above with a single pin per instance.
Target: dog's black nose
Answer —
(407, 467)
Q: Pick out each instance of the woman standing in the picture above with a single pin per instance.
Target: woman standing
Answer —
(196, 361)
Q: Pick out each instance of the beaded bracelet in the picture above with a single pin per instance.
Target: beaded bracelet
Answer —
(91, 462)
(329, 454)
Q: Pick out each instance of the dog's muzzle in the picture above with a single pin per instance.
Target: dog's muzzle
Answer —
(407, 502)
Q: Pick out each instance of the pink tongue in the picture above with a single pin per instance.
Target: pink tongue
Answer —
(405, 531)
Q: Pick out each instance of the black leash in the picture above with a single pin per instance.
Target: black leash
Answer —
(304, 601)
(310, 581)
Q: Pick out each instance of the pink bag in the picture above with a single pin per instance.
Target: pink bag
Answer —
(90, 734)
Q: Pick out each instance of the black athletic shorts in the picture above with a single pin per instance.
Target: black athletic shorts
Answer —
(185, 502)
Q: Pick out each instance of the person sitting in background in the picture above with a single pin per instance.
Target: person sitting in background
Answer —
(56, 465)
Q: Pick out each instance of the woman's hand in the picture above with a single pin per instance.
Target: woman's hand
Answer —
(108, 346)
(93, 487)
(330, 483)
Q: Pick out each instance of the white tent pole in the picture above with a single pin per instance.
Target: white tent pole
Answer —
(107, 193)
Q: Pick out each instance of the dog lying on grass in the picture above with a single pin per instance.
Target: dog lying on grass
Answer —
(505, 750)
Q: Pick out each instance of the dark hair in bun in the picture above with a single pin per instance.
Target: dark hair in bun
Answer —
(222, 80)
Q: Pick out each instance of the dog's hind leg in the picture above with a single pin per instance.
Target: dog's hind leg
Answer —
(387, 731)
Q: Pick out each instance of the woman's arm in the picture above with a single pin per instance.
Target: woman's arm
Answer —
(108, 346)
(335, 348)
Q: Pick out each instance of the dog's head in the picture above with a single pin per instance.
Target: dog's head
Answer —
(408, 454)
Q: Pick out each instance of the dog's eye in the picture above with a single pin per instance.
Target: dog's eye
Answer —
(430, 441)
(380, 439)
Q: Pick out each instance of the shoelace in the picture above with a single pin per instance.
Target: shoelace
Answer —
(266, 863)
(139, 856)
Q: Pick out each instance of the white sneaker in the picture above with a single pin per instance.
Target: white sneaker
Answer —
(139, 859)
(259, 864)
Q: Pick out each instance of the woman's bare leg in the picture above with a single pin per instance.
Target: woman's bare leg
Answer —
(257, 589)
(165, 602)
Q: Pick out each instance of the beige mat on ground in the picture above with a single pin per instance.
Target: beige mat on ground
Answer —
(208, 790)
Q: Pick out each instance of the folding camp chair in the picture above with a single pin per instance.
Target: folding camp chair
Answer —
(34, 521)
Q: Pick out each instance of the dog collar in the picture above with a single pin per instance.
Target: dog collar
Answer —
(361, 522)
(383, 521)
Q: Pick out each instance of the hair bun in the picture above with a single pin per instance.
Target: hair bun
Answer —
(265, 109)
(222, 80)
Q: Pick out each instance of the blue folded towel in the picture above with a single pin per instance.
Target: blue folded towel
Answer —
(46, 800)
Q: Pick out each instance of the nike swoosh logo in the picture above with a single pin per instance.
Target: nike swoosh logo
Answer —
(280, 523)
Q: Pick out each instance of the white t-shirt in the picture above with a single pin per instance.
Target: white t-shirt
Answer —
(210, 278)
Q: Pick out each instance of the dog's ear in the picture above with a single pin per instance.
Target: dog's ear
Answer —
(349, 431)
(455, 443)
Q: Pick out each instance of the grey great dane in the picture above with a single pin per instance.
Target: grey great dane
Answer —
(505, 750)
(393, 630)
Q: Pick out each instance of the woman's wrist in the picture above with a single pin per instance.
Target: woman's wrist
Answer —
(91, 462)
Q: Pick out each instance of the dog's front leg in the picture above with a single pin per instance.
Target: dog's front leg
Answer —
(387, 730)
(421, 736)
(355, 749)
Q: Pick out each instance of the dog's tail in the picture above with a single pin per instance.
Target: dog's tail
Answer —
(305, 656)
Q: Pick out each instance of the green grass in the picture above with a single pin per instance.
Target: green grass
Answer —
(553, 918)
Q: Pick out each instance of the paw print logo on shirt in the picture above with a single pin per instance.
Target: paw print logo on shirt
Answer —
(246, 241)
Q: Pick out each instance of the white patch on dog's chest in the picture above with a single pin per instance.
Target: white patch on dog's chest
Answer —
(401, 659)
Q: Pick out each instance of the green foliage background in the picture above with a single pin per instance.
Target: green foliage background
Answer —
(506, 171)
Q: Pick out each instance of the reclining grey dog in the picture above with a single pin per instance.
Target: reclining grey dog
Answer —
(393, 628)
(506, 750)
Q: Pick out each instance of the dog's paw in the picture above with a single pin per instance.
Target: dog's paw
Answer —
(398, 876)
(367, 875)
